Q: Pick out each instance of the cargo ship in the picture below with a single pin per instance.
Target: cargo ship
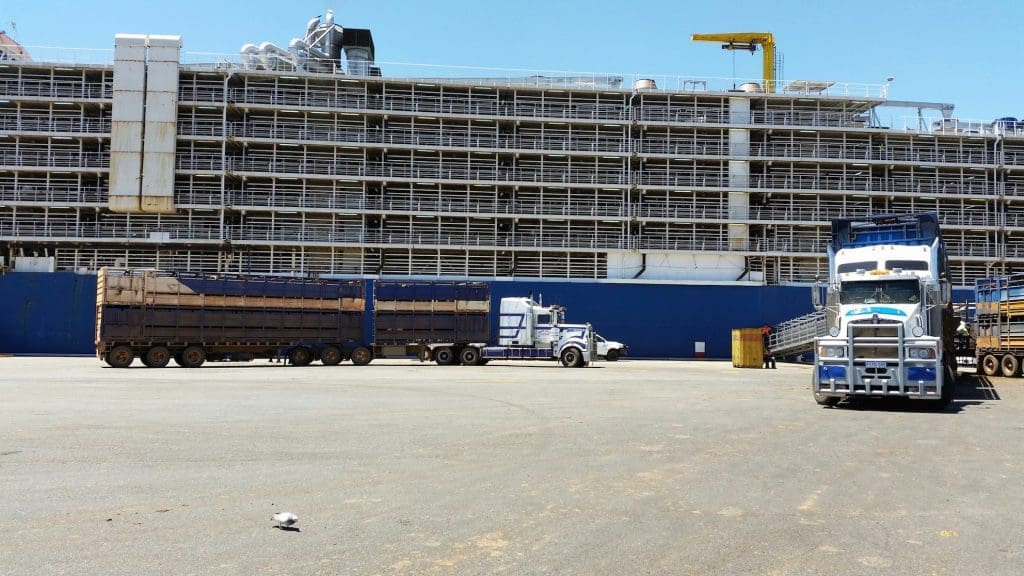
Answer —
(666, 211)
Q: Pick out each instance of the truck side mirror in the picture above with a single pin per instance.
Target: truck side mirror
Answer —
(945, 292)
(816, 296)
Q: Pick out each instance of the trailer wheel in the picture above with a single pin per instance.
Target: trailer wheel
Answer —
(361, 356)
(192, 357)
(157, 357)
(120, 356)
(612, 355)
(1009, 365)
(989, 365)
(470, 356)
(300, 356)
(572, 358)
(330, 356)
(444, 356)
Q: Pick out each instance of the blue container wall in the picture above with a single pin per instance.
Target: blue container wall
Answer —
(54, 313)
(47, 313)
(666, 320)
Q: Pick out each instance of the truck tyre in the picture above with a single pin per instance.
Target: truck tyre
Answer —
(829, 401)
(444, 356)
(193, 357)
(330, 356)
(470, 356)
(157, 357)
(361, 356)
(120, 356)
(1009, 365)
(300, 356)
(989, 365)
(612, 355)
(572, 358)
(948, 387)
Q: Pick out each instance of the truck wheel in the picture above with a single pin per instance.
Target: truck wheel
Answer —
(1009, 365)
(948, 387)
(572, 358)
(120, 356)
(444, 356)
(989, 365)
(823, 400)
(612, 355)
(330, 356)
(470, 356)
(193, 357)
(361, 356)
(300, 356)
(157, 357)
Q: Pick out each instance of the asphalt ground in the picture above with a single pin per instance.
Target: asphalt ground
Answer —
(634, 467)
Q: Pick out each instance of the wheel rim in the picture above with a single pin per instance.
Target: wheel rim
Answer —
(444, 356)
(330, 356)
(121, 356)
(360, 356)
(158, 357)
(1009, 365)
(193, 357)
(299, 356)
(989, 365)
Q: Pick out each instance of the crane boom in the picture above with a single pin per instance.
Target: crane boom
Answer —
(748, 41)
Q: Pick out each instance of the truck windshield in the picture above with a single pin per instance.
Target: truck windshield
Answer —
(880, 292)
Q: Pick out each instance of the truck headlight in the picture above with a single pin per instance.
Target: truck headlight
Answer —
(918, 331)
(832, 351)
(921, 353)
(833, 331)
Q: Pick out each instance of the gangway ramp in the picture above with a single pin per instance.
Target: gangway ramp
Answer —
(797, 335)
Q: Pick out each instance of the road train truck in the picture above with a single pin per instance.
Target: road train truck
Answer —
(999, 325)
(197, 317)
(887, 304)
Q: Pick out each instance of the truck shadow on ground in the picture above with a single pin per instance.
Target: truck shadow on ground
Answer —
(971, 390)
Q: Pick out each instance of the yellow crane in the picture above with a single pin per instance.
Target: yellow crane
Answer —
(748, 41)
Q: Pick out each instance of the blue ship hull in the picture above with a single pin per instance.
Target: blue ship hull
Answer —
(53, 313)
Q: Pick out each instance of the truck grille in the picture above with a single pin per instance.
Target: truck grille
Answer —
(876, 341)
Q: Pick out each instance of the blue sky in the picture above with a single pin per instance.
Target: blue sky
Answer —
(965, 53)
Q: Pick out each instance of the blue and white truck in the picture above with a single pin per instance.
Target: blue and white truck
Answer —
(194, 317)
(889, 317)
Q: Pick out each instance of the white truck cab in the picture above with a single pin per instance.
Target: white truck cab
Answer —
(527, 329)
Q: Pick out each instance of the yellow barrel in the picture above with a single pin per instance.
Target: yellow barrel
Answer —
(747, 348)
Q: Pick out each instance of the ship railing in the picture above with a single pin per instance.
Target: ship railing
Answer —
(481, 75)
(67, 226)
(25, 121)
(53, 88)
(28, 157)
(890, 152)
(808, 118)
(958, 186)
(49, 194)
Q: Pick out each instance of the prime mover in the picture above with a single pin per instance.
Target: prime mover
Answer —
(888, 314)
(193, 318)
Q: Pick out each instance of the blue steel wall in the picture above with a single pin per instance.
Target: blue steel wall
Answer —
(47, 313)
(53, 313)
(666, 320)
